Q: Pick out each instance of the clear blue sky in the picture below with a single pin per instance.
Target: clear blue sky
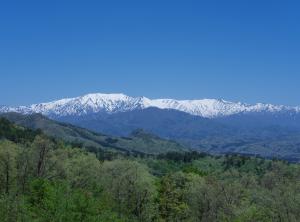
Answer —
(243, 50)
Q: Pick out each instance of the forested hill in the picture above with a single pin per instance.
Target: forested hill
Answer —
(16, 133)
(135, 143)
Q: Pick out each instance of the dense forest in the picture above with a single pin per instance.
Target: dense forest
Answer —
(45, 179)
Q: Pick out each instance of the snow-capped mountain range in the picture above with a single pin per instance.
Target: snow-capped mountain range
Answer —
(114, 103)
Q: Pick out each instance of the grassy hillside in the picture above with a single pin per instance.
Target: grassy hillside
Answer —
(146, 143)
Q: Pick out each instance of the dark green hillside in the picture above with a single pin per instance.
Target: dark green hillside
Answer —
(147, 144)
(16, 133)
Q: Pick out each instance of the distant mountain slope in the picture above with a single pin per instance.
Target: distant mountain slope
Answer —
(256, 134)
(147, 143)
(115, 103)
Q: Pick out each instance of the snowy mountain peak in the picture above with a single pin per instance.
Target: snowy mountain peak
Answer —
(113, 103)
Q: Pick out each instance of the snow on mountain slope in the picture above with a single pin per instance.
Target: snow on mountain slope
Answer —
(112, 103)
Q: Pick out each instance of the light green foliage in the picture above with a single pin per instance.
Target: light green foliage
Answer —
(172, 203)
(8, 166)
(57, 201)
(82, 170)
(131, 188)
(41, 152)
